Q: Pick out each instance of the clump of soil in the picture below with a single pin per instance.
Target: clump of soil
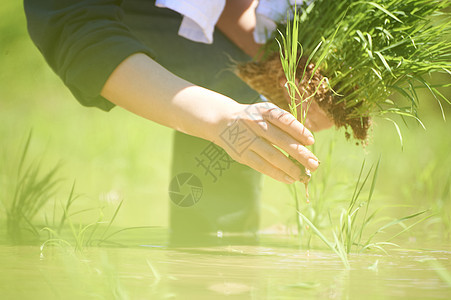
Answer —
(267, 78)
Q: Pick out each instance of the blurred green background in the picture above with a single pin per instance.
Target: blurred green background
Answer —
(116, 155)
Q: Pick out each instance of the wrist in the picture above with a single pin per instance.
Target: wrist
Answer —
(226, 112)
(204, 113)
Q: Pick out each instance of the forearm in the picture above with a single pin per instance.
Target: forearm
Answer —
(144, 87)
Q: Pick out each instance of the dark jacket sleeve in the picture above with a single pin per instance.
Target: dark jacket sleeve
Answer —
(83, 41)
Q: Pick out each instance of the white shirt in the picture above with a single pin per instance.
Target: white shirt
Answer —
(200, 17)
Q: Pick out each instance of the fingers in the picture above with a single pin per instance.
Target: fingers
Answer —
(262, 135)
(288, 123)
(286, 142)
(258, 163)
(280, 128)
(262, 113)
(276, 158)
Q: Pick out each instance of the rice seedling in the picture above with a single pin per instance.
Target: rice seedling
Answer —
(335, 246)
(26, 193)
(350, 229)
(93, 234)
(350, 232)
(325, 191)
(370, 50)
(290, 56)
(30, 191)
(82, 235)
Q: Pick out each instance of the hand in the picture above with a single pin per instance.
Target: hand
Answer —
(252, 134)
(145, 88)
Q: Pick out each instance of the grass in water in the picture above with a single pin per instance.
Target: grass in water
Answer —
(97, 233)
(31, 190)
(350, 229)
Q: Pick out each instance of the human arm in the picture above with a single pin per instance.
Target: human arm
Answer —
(102, 63)
(145, 88)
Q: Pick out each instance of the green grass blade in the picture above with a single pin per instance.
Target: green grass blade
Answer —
(384, 10)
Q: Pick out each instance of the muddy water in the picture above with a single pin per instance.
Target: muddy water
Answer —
(271, 271)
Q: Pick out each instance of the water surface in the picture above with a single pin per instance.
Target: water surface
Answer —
(277, 269)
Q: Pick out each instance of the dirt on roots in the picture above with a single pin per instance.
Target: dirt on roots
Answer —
(267, 78)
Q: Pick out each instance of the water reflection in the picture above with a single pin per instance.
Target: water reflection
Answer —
(265, 271)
